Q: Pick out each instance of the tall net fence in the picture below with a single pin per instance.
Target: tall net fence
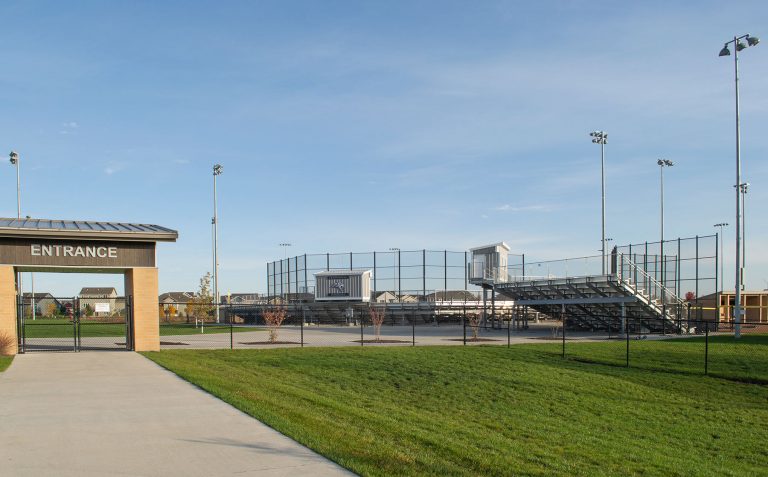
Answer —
(404, 274)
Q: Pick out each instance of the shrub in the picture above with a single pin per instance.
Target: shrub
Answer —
(6, 344)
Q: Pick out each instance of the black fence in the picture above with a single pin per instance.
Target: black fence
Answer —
(404, 274)
(48, 323)
(352, 324)
(715, 348)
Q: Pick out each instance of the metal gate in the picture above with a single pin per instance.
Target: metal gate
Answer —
(74, 324)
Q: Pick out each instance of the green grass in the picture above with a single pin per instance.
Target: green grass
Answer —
(5, 361)
(63, 328)
(742, 360)
(489, 410)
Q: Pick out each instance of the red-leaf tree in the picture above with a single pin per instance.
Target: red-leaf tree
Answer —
(274, 318)
(377, 319)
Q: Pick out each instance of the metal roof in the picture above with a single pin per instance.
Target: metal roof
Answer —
(342, 271)
(85, 229)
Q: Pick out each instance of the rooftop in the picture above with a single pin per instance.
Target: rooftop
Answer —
(10, 227)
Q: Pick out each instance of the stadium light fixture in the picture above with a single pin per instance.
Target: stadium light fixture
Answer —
(738, 46)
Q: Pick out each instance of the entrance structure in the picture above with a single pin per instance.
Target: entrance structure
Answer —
(41, 245)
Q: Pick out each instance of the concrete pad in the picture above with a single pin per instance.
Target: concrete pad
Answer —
(117, 413)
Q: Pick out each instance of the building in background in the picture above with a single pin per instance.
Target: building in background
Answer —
(175, 303)
(45, 304)
(100, 301)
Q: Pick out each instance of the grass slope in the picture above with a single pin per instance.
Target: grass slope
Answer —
(489, 410)
(743, 360)
(5, 361)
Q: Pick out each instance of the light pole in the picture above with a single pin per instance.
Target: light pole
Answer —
(395, 252)
(738, 46)
(217, 170)
(663, 163)
(14, 157)
(721, 225)
(285, 246)
(600, 137)
(744, 187)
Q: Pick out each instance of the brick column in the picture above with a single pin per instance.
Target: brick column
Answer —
(8, 306)
(141, 285)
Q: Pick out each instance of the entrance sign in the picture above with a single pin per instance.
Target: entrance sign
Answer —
(43, 245)
(53, 253)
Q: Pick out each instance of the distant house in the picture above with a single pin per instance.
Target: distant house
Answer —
(384, 297)
(45, 304)
(453, 295)
(100, 301)
(408, 298)
(175, 303)
(241, 299)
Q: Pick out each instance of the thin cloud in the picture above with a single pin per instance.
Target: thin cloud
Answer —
(68, 127)
(525, 208)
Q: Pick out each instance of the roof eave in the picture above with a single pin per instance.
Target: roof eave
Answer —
(91, 235)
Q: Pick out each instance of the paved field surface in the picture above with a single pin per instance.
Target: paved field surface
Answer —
(117, 413)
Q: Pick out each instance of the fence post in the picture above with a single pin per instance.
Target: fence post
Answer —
(231, 330)
(413, 332)
(706, 350)
(303, 319)
(464, 324)
(509, 335)
(361, 328)
(627, 346)
(562, 315)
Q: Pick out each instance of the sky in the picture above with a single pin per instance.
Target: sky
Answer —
(362, 125)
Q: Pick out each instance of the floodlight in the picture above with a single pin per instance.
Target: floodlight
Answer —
(217, 170)
(740, 46)
(752, 40)
(14, 157)
(725, 51)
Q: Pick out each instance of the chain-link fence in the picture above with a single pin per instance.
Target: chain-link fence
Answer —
(193, 326)
(716, 348)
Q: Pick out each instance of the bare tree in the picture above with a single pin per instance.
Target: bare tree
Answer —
(378, 313)
(274, 318)
(474, 323)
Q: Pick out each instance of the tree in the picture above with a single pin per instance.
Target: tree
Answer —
(377, 319)
(201, 305)
(88, 311)
(274, 318)
(474, 322)
(51, 310)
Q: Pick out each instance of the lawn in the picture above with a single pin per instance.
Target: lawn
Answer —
(62, 328)
(5, 361)
(745, 359)
(489, 410)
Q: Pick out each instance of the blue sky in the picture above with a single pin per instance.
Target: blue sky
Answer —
(368, 125)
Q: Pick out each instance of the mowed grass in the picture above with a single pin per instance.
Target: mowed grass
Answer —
(745, 359)
(62, 328)
(5, 361)
(489, 410)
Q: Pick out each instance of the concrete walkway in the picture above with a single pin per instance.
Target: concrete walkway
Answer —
(117, 413)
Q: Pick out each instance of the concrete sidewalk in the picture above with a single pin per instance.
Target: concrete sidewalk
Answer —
(117, 413)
